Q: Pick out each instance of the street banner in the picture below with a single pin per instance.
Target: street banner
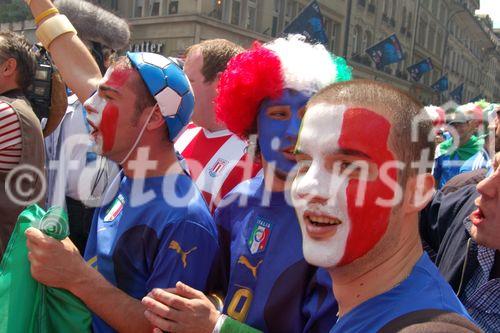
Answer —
(457, 94)
(386, 52)
(477, 98)
(441, 84)
(420, 68)
(309, 23)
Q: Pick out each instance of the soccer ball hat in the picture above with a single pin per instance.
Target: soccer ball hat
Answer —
(169, 86)
(264, 71)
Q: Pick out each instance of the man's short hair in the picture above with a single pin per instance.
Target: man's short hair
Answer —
(15, 46)
(216, 54)
(403, 110)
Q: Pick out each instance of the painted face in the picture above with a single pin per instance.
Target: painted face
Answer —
(340, 187)
(102, 109)
(278, 124)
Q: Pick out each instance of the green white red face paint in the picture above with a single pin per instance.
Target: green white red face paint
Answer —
(343, 186)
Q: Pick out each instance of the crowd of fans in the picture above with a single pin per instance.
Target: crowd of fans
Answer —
(238, 190)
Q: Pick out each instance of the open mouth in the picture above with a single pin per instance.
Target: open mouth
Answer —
(320, 225)
(289, 153)
(477, 217)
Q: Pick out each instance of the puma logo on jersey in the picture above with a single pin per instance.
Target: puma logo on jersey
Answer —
(174, 245)
(245, 262)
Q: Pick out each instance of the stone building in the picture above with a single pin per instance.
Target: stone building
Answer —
(460, 44)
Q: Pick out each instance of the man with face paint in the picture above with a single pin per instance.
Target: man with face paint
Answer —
(155, 229)
(462, 227)
(357, 198)
(269, 285)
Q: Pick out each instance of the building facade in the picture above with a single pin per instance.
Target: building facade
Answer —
(462, 46)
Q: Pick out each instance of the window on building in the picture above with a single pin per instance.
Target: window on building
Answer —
(442, 13)
(291, 8)
(154, 7)
(274, 29)
(235, 12)
(217, 10)
(251, 14)
(385, 7)
(368, 40)
(356, 40)
(403, 23)
(432, 37)
(435, 4)
(173, 7)
(439, 43)
(422, 31)
(138, 7)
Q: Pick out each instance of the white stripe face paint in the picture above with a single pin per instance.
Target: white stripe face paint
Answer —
(95, 106)
(319, 194)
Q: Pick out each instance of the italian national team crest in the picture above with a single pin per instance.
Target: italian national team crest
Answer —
(260, 236)
(115, 209)
(218, 167)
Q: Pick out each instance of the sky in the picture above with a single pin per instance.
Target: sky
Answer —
(492, 8)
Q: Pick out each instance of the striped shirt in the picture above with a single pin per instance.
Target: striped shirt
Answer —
(10, 138)
(217, 161)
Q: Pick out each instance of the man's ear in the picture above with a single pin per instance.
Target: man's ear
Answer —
(156, 120)
(418, 193)
(10, 67)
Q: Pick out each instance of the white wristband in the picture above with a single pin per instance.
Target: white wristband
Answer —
(220, 322)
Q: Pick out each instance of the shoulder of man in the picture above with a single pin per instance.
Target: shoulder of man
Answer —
(430, 321)
(444, 211)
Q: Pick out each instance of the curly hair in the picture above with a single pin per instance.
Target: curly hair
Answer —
(265, 71)
(15, 46)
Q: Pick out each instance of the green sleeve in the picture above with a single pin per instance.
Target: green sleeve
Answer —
(233, 326)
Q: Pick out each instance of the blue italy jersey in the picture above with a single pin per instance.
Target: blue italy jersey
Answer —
(152, 236)
(271, 287)
(423, 289)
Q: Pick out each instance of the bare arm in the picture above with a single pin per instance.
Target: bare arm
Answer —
(120, 311)
(69, 271)
(72, 58)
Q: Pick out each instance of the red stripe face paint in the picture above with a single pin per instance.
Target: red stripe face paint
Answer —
(103, 114)
(339, 183)
(368, 132)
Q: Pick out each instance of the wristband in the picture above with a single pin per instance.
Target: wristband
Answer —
(220, 322)
(45, 13)
(52, 28)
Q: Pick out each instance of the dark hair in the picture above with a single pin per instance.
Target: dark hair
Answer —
(15, 46)
(403, 110)
(216, 54)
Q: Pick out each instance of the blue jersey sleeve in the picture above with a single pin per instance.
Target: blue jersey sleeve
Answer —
(437, 170)
(186, 253)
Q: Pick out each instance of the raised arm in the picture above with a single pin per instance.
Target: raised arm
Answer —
(72, 58)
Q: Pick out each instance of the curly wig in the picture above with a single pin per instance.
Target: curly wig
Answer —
(264, 71)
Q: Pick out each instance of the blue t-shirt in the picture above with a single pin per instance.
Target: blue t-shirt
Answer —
(271, 287)
(152, 237)
(423, 289)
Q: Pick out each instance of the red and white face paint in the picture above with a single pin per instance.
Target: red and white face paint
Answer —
(102, 114)
(340, 213)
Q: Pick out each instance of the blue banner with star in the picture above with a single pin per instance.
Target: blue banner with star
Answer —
(441, 84)
(420, 68)
(457, 93)
(309, 23)
(386, 52)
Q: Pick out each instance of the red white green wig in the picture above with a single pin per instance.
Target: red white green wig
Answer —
(264, 71)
